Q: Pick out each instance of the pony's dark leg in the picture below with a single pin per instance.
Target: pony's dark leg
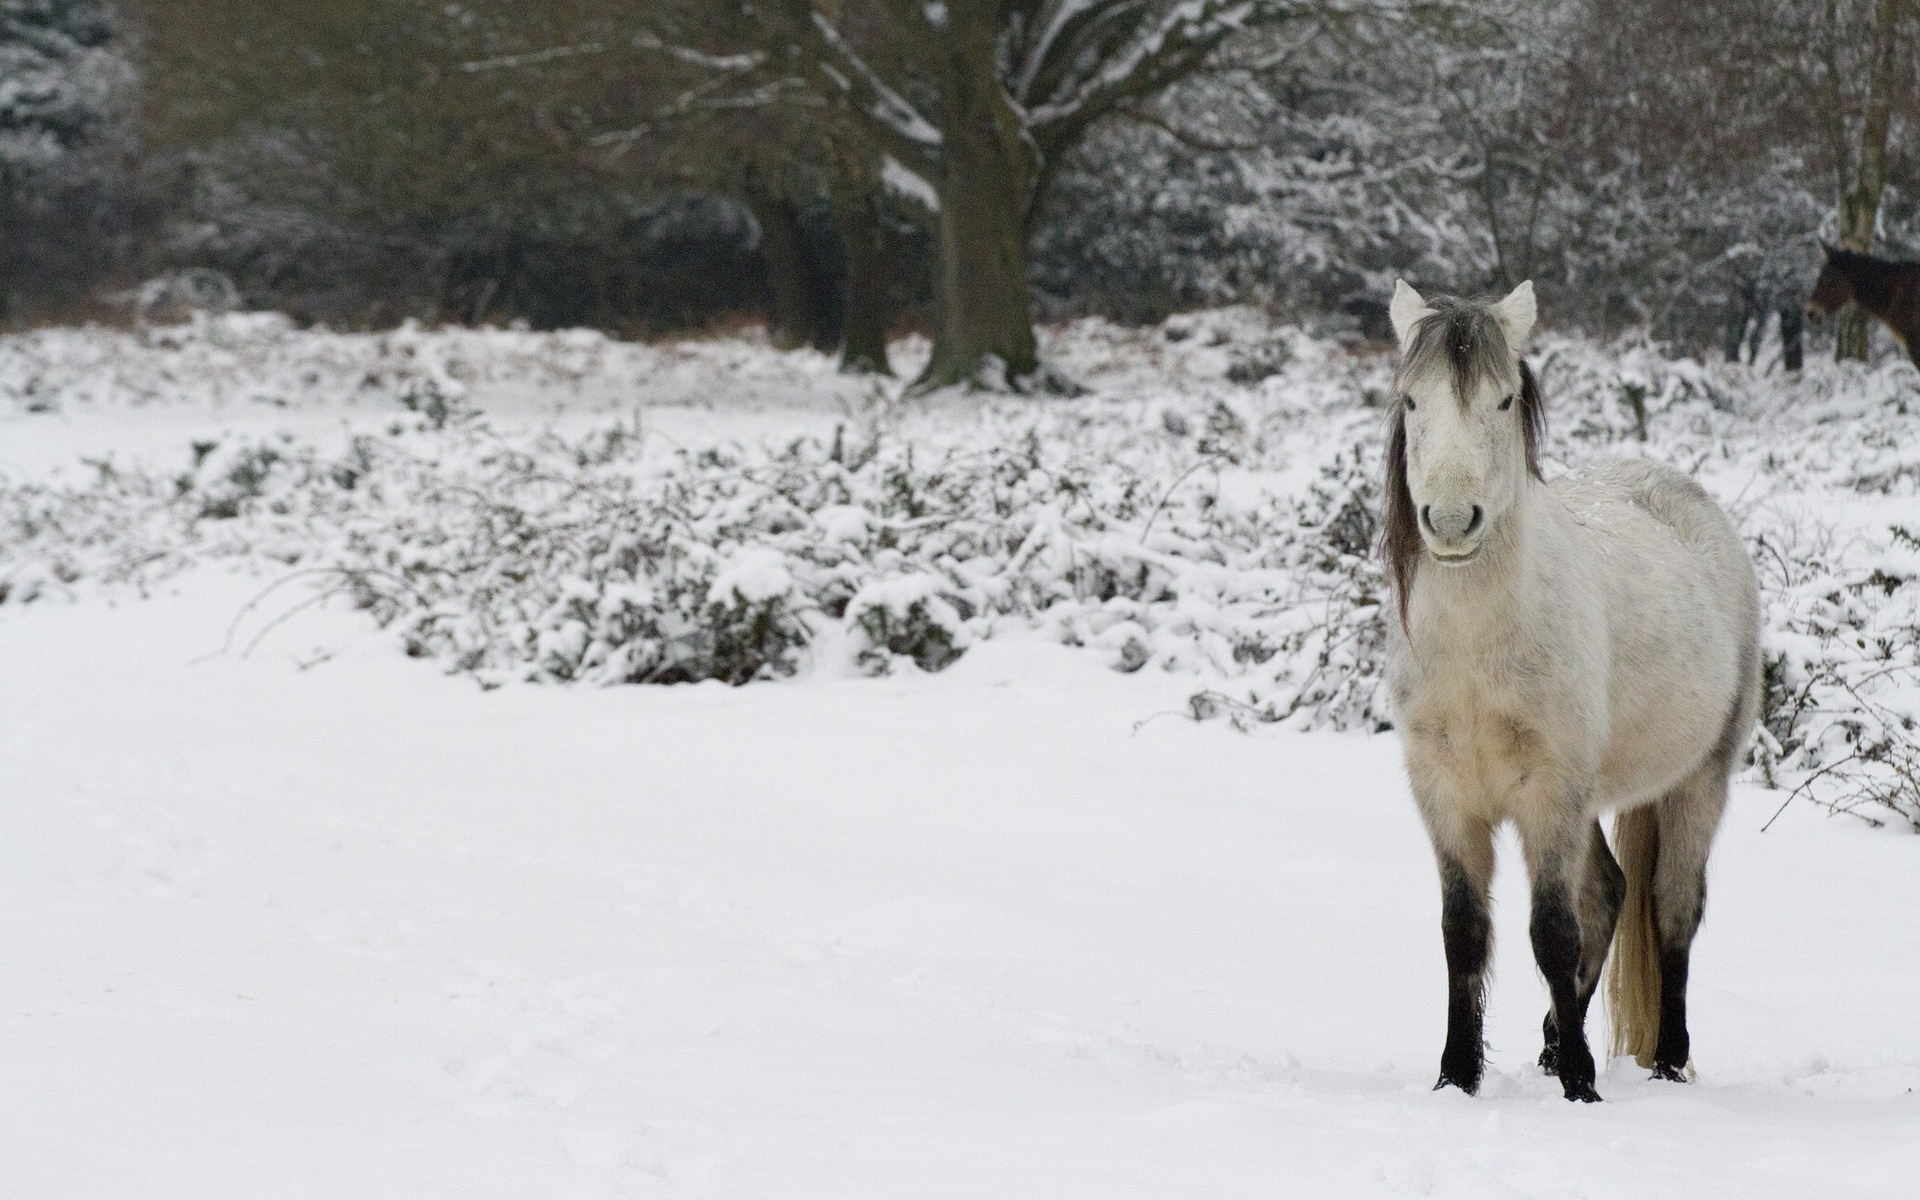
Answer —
(1601, 894)
(1556, 847)
(1464, 850)
(1688, 818)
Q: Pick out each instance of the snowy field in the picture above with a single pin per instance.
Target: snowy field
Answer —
(338, 889)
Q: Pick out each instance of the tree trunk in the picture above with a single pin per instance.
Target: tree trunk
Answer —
(1860, 196)
(798, 316)
(1733, 333)
(863, 325)
(1792, 325)
(983, 321)
(7, 225)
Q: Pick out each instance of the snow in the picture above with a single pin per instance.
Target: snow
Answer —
(896, 596)
(755, 576)
(905, 182)
(364, 930)
(72, 393)
(293, 914)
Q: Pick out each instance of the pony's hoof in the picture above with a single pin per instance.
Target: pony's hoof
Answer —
(1670, 1074)
(1583, 1092)
(1550, 1060)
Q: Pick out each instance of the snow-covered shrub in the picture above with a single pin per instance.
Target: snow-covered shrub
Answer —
(228, 360)
(599, 558)
(1841, 721)
(1171, 520)
(735, 630)
(905, 617)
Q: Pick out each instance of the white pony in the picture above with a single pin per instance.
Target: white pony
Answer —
(1562, 649)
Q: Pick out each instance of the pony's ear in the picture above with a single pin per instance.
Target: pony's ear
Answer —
(1406, 310)
(1516, 315)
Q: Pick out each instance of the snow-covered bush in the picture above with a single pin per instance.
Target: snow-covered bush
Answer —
(905, 617)
(1172, 519)
(239, 360)
(1842, 671)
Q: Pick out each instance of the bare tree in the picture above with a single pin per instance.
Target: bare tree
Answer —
(982, 99)
(709, 104)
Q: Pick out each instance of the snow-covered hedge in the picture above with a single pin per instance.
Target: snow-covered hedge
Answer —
(262, 361)
(1192, 514)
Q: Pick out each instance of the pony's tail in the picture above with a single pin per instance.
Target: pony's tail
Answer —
(1633, 980)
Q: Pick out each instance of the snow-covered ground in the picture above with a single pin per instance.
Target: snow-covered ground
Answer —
(292, 914)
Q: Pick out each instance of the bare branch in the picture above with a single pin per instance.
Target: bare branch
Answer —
(1173, 48)
(1185, 137)
(529, 59)
(1063, 30)
(696, 58)
(898, 126)
(696, 100)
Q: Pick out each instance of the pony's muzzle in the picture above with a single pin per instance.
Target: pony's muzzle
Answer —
(1452, 523)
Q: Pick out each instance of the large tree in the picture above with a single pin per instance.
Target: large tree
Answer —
(727, 118)
(983, 100)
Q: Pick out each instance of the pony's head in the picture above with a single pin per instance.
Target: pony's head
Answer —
(1466, 427)
(1834, 288)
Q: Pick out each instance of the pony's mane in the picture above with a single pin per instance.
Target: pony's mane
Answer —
(1464, 338)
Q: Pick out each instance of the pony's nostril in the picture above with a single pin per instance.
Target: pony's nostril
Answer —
(1479, 514)
(1426, 517)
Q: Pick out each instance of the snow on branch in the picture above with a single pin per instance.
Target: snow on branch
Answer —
(722, 71)
(885, 104)
(532, 58)
(1055, 23)
(905, 182)
(696, 58)
(653, 43)
(1171, 48)
(906, 134)
(699, 100)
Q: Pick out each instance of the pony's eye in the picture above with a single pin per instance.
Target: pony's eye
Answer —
(1507, 403)
(1408, 401)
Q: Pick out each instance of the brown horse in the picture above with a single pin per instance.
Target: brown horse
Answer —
(1887, 290)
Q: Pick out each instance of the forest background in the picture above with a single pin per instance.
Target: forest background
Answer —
(847, 170)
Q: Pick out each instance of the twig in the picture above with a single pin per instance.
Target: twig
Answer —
(1209, 460)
